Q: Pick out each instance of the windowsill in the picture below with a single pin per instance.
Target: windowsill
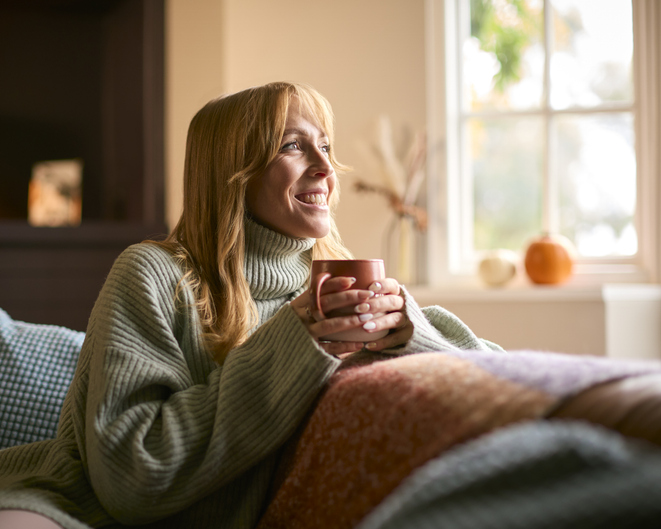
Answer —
(431, 295)
(618, 320)
(590, 281)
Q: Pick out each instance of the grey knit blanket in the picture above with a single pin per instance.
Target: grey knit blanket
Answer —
(531, 476)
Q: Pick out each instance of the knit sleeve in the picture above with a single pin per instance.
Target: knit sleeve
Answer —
(437, 329)
(165, 426)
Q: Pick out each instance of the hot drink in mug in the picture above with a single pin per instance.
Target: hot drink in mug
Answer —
(366, 272)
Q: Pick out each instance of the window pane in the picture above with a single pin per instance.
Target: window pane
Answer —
(503, 56)
(591, 59)
(506, 168)
(596, 172)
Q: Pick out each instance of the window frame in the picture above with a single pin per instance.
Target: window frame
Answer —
(448, 223)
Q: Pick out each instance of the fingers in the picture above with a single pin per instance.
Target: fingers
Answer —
(336, 325)
(343, 300)
(386, 298)
(386, 286)
(363, 301)
(387, 303)
(337, 294)
(393, 320)
(398, 337)
(337, 284)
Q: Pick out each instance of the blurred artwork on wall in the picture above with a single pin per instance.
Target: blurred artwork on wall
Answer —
(55, 193)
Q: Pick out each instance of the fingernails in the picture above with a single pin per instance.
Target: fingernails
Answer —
(375, 287)
(369, 326)
(367, 294)
(365, 317)
(370, 345)
(363, 307)
(352, 279)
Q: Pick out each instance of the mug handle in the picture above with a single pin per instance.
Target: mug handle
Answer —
(319, 280)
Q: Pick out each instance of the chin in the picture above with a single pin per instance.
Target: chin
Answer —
(301, 228)
(322, 233)
(313, 233)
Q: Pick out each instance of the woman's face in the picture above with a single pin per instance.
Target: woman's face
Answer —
(292, 195)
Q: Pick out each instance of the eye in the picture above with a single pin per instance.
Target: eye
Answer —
(326, 148)
(290, 146)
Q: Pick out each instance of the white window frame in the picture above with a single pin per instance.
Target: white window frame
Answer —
(447, 227)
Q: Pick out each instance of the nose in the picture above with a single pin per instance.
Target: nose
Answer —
(320, 164)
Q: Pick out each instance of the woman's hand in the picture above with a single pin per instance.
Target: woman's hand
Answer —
(391, 302)
(337, 293)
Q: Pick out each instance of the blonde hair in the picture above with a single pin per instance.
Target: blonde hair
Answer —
(231, 140)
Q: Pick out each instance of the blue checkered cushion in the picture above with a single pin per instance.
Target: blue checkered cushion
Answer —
(37, 363)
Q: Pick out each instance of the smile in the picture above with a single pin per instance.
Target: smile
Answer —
(318, 199)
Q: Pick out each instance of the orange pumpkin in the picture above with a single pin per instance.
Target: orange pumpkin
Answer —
(549, 260)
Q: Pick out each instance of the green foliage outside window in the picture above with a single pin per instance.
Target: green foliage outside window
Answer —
(505, 28)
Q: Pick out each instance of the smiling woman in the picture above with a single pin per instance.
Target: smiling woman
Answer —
(292, 195)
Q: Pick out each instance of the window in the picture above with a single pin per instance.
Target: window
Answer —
(543, 119)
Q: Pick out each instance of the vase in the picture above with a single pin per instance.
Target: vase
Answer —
(400, 249)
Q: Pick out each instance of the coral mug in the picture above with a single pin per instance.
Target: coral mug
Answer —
(366, 272)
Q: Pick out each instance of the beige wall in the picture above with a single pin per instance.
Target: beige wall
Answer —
(194, 73)
(366, 57)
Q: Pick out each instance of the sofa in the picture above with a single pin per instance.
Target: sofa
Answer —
(463, 439)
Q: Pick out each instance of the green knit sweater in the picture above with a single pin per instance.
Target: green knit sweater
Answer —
(153, 431)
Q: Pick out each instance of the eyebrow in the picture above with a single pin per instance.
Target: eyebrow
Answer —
(301, 132)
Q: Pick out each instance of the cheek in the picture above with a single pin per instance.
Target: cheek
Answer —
(261, 199)
(277, 182)
(266, 197)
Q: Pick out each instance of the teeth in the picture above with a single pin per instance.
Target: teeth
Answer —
(320, 200)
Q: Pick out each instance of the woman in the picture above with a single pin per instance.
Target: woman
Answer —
(202, 354)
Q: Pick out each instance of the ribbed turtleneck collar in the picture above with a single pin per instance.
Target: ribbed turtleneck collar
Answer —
(275, 265)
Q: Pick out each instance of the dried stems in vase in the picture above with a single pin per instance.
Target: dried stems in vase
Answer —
(401, 178)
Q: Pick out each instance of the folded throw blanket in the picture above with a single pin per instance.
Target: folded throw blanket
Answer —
(378, 421)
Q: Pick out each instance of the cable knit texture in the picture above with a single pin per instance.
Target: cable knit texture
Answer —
(152, 431)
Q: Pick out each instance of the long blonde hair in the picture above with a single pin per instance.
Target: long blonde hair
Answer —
(231, 140)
